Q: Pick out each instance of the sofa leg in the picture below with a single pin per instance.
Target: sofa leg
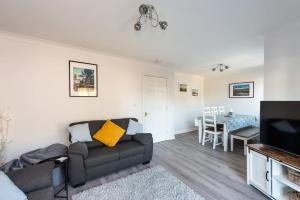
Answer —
(78, 185)
(145, 163)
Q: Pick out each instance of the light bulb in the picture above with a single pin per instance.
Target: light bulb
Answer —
(163, 25)
(137, 26)
(143, 9)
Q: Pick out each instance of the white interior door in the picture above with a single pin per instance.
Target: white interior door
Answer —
(155, 107)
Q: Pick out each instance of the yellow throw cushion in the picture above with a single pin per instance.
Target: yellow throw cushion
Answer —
(109, 134)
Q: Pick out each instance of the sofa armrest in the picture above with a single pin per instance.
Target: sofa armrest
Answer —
(76, 170)
(147, 140)
(78, 152)
(79, 148)
(143, 138)
(33, 177)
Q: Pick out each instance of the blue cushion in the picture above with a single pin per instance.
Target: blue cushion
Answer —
(8, 190)
(80, 133)
(134, 128)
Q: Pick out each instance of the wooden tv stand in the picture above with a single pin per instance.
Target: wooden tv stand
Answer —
(267, 170)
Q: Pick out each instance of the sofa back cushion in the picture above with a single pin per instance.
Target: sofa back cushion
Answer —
(80, 133)
(134, 128)
(95, 125)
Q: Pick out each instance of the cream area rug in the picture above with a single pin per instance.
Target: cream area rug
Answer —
(150, 184)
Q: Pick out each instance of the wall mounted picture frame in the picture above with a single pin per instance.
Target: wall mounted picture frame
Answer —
(195, 92)
(83, 79)
(182, 87)
(241, 90)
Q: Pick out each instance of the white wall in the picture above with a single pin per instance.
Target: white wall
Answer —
(187, 107)
(34, 77)
(282, 65)
(216, 91)
(34, 85)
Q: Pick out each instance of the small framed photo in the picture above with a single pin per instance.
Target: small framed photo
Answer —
(241, 90)
(194, 92)
(183, 87)
(83, 79)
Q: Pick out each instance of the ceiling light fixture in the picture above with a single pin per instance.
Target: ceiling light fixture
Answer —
(220, 67)
(148, 13)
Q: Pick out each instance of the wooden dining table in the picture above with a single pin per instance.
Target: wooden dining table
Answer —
(230, 123)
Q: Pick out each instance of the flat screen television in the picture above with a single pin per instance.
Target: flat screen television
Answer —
(280, 125)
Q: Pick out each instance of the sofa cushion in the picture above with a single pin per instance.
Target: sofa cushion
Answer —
(100, 156)
(124, 122)
(109, 134)
(134, 128)
(94, 144)
(130, 148)
(95, 125)
(80, 133)
(125, 138)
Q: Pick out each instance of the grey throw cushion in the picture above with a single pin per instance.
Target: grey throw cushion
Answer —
(134, 127)
(80, 133)
(8, 190)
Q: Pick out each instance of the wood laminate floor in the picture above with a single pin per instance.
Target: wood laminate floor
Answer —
(214, 174)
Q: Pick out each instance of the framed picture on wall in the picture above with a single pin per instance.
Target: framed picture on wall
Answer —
(194, 92)
(241, 90)
(83, 79)
(183, 87)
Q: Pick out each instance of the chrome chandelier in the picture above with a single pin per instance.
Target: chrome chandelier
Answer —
(220, 68)
(148, 13)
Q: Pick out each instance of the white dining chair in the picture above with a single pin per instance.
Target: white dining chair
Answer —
(214, 109)
(221, 110)
(211, 129)
(207, 110)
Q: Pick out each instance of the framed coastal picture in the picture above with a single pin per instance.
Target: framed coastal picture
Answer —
(183, 87)
(83, 78)
(194, 92)
(241, 90)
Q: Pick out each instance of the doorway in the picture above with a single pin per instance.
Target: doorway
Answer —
(155, 107)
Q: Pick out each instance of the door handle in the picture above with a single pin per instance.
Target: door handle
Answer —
(267, 177)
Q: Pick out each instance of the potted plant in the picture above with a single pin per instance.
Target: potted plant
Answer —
(4, 121)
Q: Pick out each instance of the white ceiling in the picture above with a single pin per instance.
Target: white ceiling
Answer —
(201, 33)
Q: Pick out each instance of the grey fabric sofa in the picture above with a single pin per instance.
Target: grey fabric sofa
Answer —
(35, 181)
(90, 160)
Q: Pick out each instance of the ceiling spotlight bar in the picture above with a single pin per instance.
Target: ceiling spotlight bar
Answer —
(148, 13)
(220, 68)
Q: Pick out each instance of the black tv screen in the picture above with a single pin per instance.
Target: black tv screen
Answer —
(280, 125)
